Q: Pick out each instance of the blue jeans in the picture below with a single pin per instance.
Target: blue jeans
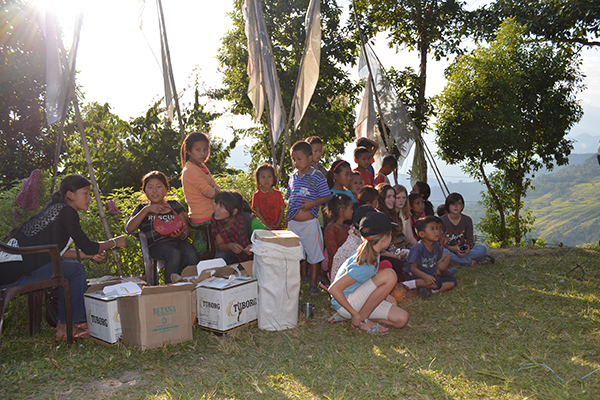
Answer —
(475, 253)
(175, 255)
(74, 271)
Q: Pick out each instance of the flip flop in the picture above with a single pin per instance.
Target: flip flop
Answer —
(313, 290)
(374, 330)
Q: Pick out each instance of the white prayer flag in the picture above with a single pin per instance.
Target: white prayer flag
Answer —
(308, 74)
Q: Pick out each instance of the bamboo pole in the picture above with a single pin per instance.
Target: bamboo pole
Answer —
(170, 71)
(362, 43)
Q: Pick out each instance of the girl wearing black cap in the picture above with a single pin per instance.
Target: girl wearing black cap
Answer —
(359, 291)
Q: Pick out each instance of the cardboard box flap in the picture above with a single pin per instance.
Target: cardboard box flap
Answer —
(283, 238)
(174, 287)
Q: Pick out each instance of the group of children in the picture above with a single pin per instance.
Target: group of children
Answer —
(367, 225)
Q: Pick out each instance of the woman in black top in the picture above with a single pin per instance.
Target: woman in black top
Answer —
(57, 223)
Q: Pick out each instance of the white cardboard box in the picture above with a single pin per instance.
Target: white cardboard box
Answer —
(225, 304)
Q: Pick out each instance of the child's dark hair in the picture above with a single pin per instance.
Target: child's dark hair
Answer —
(355, 173)
(412, 197)
(390, 161)
(314, 140)
(364, 142)
(189, 142)
(424, 189)
(367, 195)
(155, 175)
(438, 220)
(264, 167)
(336, 204)
(302, 146)
(441, 210)
(336, 168)
(423, 222)
(453, 198)
(359, 151)
(232, 200)
(70, 183)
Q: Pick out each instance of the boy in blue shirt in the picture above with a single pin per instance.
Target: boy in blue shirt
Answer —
(425, 258)
(307, 190)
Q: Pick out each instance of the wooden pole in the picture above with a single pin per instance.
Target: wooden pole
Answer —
(73, 97)
(362, 43)
(170, 71)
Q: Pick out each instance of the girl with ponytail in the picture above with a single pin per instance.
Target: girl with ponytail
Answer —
(362, 293)
(57, 223)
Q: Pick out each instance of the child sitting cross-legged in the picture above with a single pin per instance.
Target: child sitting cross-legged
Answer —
(360, 291)
(425, 258)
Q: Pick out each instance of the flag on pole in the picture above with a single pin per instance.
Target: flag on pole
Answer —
(169, 90)
(367, 119)
(264, 83)
(56, 80)
(308, 74)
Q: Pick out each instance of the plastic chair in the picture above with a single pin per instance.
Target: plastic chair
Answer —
(153, 266)
(35, 290)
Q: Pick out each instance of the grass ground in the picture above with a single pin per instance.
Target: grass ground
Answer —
(465, 344)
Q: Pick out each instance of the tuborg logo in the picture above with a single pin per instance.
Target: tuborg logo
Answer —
(235, 308)
(209, 304)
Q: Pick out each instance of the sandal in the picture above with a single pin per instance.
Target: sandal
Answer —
(335, 318)
(313, 290)
(80, 331)
(373, 330)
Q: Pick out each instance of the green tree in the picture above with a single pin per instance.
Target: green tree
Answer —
(510, 106)
(573, 22)
(122, 153)
(330, 112)
(25, 141)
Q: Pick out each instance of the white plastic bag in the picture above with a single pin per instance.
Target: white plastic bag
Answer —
(277, 269)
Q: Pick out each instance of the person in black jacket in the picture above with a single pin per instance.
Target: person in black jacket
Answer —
(57, 223)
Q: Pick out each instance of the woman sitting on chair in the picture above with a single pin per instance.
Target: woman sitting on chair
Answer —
(57, 223)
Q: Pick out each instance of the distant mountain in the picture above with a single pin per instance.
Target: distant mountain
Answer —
(565, 203)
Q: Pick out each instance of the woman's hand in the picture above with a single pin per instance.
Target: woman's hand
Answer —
(157, 209)
(100, 256)
(180, 234)
(357, 319)
(248, 249)
(236, 248)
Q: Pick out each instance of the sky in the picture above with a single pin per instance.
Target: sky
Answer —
(118, 61)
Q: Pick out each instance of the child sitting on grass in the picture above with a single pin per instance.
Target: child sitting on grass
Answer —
(362, 293)
(425, 258)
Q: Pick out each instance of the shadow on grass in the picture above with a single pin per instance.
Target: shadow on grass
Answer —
(467, 343)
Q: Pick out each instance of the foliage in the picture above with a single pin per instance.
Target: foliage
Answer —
(509, 105)
(427, 26)
(122, 153)
(573, 22)
(25, 142)
(468, 343)
(329, 114)
(243, 182)
(491, 225)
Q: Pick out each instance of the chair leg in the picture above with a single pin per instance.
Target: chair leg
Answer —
(51, 306)
(68, 309)
(34, 311)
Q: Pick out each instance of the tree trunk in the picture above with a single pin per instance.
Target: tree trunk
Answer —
(503, 235)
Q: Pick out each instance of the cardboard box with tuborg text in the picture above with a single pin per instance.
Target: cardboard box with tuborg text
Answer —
(226, 295)
(159, 315)
(102, 312)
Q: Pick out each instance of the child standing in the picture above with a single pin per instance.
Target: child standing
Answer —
(199, 187)
(459, 229)
(362, 159)
(317, 148)
(415, 202)
(338, 179)
(175, 250)
(267, 202)
(424, 190)
(388, 165)
(339, 209)
(425, 258)
(356, 183)
(232, 226)
(372, 146)
(307, 190)
(362, 293)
